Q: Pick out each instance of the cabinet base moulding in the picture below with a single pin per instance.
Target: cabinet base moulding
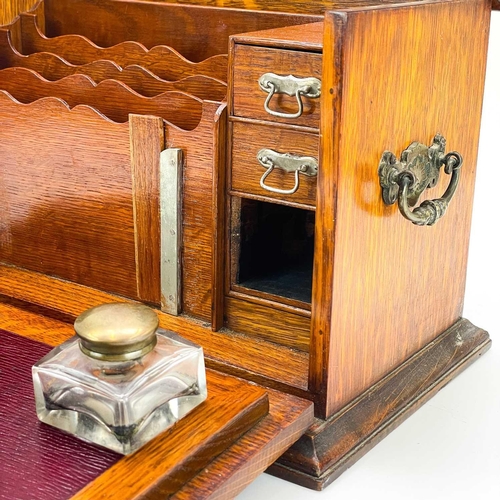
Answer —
(331, 446)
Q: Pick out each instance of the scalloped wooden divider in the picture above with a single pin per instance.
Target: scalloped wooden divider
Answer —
(195, 31)
(162, 60)
(112, 98)
(83, 190)
(53, 67)
(148, 84)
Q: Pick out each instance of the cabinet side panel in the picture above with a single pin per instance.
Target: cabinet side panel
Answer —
(409, 73)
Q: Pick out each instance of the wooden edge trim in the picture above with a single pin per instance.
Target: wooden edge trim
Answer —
(330, 447)
(219, 217)
(146, 143)
(331, 117)
(240, 464)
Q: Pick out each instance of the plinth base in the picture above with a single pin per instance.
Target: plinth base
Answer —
(331, 446)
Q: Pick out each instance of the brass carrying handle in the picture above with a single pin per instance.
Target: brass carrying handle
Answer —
(417, 170)
(274, 84)
(269, 159)
(430, 211)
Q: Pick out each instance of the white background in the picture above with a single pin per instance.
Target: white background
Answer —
(450, 448)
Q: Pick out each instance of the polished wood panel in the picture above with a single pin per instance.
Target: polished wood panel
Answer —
(65, 190)
(11, 8)
(387, 288)
(243, 462)
(279, 326)
(162, 60)
(199, 232)
(110, 97)
(196, 31)
(147, 141)
(250, 63)
(246, 171)
(317, 7)
(226, 351)
(330, 447)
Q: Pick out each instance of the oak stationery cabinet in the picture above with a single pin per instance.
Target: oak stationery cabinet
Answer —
(248, 189)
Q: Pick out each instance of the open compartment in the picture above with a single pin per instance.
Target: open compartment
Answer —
(272, 250)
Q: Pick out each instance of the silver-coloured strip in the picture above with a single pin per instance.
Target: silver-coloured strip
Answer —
(171, 229)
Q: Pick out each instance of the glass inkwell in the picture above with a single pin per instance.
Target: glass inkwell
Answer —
(120, 380)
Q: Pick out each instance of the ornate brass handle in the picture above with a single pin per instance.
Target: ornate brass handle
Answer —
(292, 86)
(417, 170)
(269, 159)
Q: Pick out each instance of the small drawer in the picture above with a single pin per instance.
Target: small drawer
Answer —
(247, 172)
(252, 63)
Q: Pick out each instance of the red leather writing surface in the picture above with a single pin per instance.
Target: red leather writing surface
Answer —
(37, 461)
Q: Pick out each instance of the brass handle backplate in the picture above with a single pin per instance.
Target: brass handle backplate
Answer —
(417, 170)
(269, 159)
(290, 85)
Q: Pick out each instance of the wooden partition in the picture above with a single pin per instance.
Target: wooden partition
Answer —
(79, 192)
(196, 31)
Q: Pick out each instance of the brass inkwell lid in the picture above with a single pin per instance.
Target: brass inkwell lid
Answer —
(117, 332)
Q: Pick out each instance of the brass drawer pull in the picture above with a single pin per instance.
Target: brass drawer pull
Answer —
(417, 170)
(269, 159)
(292, 86)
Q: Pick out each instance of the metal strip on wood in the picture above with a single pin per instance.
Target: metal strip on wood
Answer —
(171, 229)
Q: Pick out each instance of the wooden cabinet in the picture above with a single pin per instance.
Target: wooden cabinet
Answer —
(294, 273)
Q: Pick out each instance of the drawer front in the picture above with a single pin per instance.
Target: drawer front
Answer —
(251, 63)
(247, 172)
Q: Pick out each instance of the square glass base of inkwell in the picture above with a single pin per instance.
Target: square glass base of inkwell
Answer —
(120, 381)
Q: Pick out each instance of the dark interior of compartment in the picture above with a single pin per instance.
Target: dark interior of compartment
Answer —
(276, 249)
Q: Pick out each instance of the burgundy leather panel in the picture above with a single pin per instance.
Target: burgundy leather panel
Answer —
(36, 460)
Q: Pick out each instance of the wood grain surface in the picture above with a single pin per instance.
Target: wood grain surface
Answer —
(110, 97)
(148, 84)
(104, 243)
(330, 447)
(226, 351)
(304, 37)
(200, 232)
(246, 171)
(52, 67)
(9, 9)
(147, 141)
(75, 221)
(383, 286)
(250, 63)
(196, 31)
(162, 60)
(288, 418)
(310, 7)
(267, 322)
